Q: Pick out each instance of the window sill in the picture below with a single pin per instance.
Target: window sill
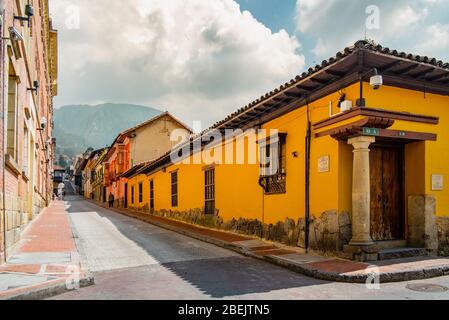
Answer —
(12, 165)
(275, 193)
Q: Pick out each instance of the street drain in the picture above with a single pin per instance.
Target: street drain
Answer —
(427, 287)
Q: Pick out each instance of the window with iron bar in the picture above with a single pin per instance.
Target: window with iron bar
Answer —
(209, 191)
(174, 189)
(274, 168)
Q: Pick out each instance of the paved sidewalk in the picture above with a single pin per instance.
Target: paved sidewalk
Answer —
(320, 267)
(47, 261)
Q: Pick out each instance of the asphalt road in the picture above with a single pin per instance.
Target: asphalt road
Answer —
(134, 260)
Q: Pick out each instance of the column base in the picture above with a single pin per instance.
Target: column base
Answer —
(362, 252)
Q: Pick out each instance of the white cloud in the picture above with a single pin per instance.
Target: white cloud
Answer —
(198, 59)
(404, 24)
(437, 40)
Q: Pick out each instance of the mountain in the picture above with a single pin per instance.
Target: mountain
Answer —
(78, 127)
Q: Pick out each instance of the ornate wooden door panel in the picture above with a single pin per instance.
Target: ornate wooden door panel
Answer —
(387, 216)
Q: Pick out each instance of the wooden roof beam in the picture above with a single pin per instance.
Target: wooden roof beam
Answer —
(335, 73)
(407, 69)
(389, 66)
(422, 73)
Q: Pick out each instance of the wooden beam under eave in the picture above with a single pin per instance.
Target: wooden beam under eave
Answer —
(335, 73)
(294, 95)
(438, 77)
(321, 92)
(307, 88)
(407, 69)
(320, 81)
(389, 66)
(407, 82)
(422, 73)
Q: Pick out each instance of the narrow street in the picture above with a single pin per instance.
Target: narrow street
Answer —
(135, 260)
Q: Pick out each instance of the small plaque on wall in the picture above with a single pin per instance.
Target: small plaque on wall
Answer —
(324, 164)
(437, 182)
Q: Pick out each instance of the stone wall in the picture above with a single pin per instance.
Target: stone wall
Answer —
(16, 219)
(422, 227)
(328, 233)
(443, 236)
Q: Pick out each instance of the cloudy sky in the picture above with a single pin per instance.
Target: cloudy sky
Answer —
(202, 59)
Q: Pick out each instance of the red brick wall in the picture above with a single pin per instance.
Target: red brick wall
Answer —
(21, 200)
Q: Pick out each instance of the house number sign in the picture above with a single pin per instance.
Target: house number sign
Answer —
(437, 182)
(324, 164)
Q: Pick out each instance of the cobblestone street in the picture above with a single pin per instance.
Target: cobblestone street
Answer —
(135, 260)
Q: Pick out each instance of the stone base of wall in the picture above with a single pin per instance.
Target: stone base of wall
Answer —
(328, 233)
(443, 236)
(18, 217)
(422, 227)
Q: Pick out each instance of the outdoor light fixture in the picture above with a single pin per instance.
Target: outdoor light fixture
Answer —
(35, 85)
(376, 81)
(15, 37)
(29, 12)
(14, 34)
(43, 124)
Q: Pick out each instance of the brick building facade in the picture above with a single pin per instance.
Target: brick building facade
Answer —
(28, 73)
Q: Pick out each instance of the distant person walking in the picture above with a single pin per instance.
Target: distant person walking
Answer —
(61, 187)
(111, 200)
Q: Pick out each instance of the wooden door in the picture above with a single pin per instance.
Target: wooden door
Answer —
(387, 195)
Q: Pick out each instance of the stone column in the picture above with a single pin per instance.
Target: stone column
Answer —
(361, 192)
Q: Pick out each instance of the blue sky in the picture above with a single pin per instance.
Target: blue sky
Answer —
(274, 14)
(203, 59)
(340, 18)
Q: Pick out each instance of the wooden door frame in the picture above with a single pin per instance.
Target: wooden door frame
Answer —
(402, 204)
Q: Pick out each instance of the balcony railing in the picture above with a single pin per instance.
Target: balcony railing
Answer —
(273, 184)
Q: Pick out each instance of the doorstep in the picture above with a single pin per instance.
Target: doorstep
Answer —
(295, 259)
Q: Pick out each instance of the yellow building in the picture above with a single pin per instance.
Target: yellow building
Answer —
(360, 144)
(92, 174)
(136, 146)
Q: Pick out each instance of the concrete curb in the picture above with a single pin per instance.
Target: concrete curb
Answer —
(46, 290)
(409, 275)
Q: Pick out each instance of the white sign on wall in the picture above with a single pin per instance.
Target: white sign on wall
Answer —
(324, 164)
(437, 182)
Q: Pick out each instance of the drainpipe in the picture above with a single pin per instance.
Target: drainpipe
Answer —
(3, 68)
(307, 175)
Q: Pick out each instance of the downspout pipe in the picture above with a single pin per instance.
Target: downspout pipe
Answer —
(307, 176)
(3, 100)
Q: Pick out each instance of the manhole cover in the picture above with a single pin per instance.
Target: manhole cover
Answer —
(427, 287)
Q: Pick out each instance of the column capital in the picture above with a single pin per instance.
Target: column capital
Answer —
(361, 141)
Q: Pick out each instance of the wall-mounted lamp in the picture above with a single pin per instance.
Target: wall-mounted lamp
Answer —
(376, 81)
(15, 37)
(29, 12)
(35, 85)
(295, 154)
(43, 124)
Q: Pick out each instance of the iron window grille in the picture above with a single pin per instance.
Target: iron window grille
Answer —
(152, 195)
(273, 176)
(209, 191)
(132, 194)
(174, 189)
(140, 192)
